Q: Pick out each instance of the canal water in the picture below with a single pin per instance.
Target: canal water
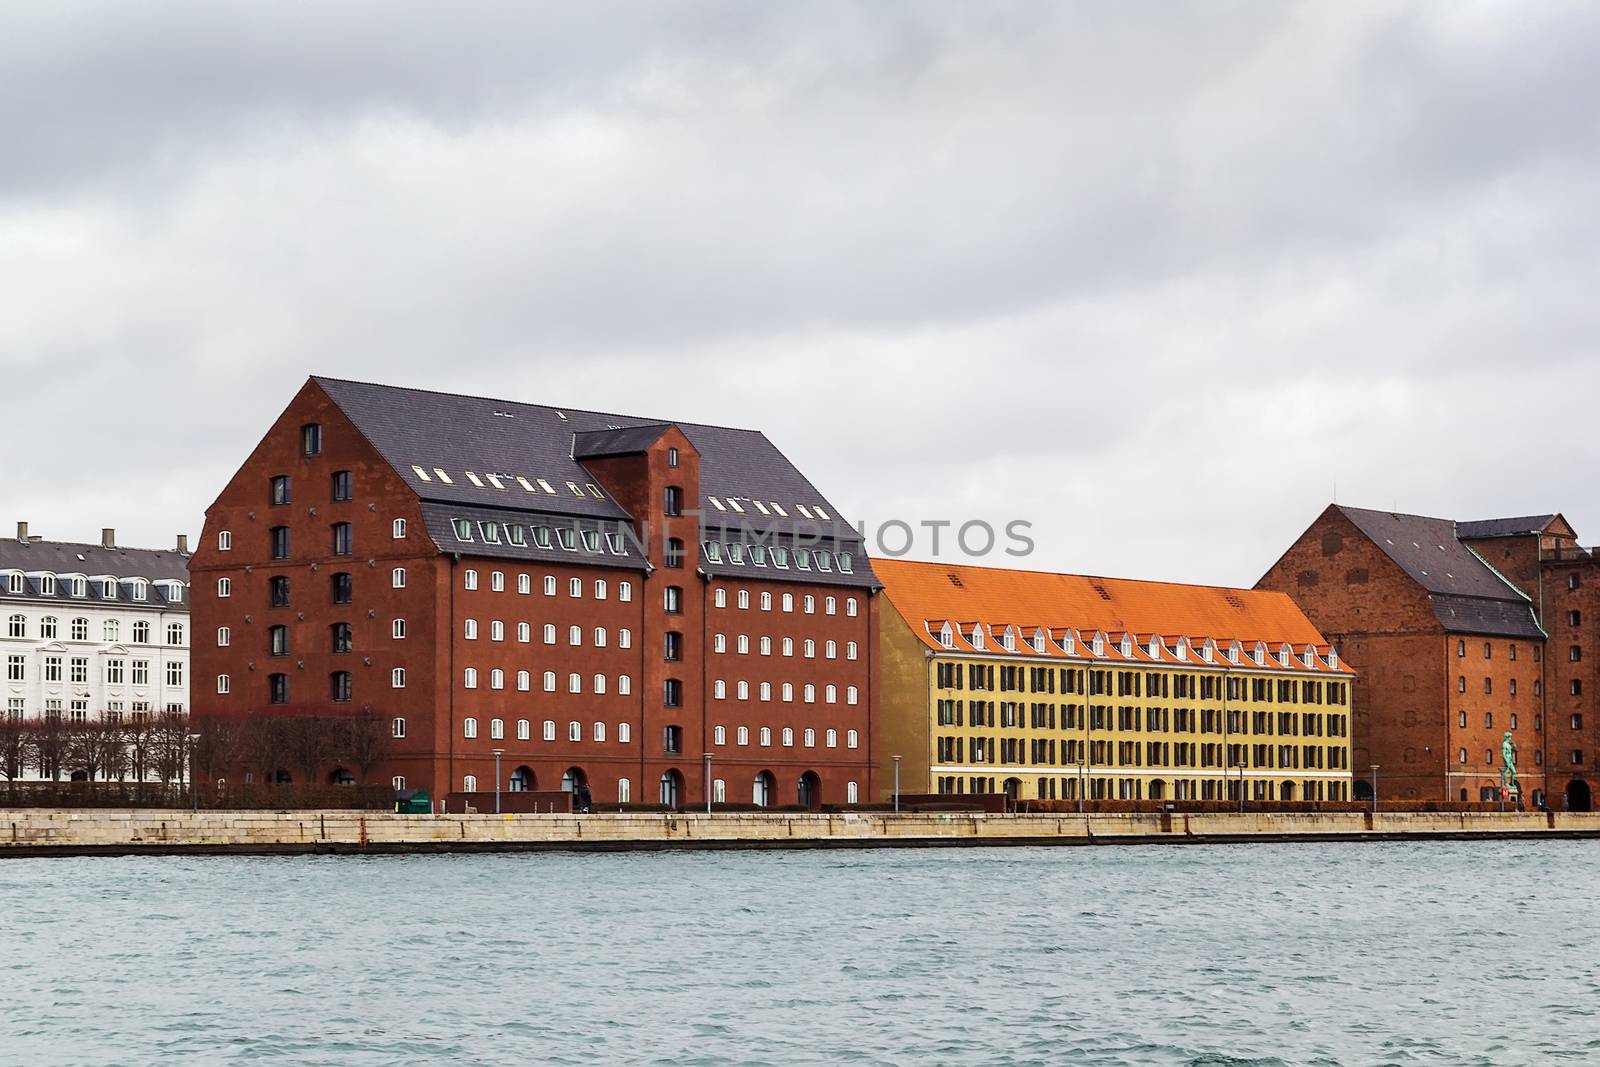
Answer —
(1427, 953)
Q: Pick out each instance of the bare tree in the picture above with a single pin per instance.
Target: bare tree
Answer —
(264, 743)
(310, 741)
(48, 746)
(14, 737)
(95, 748)
(170, 745)
(365, 741)
(139, 735)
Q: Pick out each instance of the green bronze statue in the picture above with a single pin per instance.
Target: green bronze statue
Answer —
(1508, 757)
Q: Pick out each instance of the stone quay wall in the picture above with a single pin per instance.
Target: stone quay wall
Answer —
(34, 832)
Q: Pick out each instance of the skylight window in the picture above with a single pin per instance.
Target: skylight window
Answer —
(442, 476)
(735, 505)
(463, 529)
(594, 491)
(574, 487)
(473, 478)
(823, 515)
(494, 480)
(803, 510)
(779, 509)
(421, 473)
(716, 503)
(760, 506)
(546, 486)
(526, 484)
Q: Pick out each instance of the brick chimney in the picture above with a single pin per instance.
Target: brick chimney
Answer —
(108, 538)
(183, 544)
(22, 532)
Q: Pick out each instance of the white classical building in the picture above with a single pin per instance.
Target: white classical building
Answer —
(92, 631)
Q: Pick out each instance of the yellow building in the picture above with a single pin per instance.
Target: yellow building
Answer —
(1053, 686)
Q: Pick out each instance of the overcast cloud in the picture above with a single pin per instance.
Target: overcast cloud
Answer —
(1155, 278)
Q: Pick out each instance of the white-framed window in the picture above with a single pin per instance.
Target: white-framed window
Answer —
(224, 636)
(744, 690)
(497, 581)
(810, 649)
(624, 790)
(830, 694)
(766, 601)
(766, 691)
(624, 733)
(744, 598)
(524, 584)
(575, 587)
(830, 606)
(497, 630)
(744, 644)
(549, 633)
(469, 579)
(224, 587)
(398, 781)
(851, 793)
(624, 685)
(624, 591)
(524, 681)
(111, 630)
(765, 737)
(788, 646)
(397, 728)
(809, 738)
(549, 585)
(549, 681)
(599, 732)
(469, 678)
(17, 626)
(524, 729)
(719, 735)
(719, 598)
(743, 735)
(719, 690)
(599, 588)
(831, 738)
(850, 606)
(830, 649)
(497, 729)
(599, 683)
(399, 529)
(469, 629)
(397, 577)
(811, 604)
(624, 638)
(719, 642)
(574, 635)
(788, 692)
(851, 695)
(549, 730)
(469, 783)
(469, 727)
(719, 791)
(224, 540)
(766, 646)
(788, 737)
(524, 633)
(397, 629)
(497, 679)
(574, 682)
(788, 602)
(174, 672)
(850, 739)
(397, 678)
(574, 731)
(849, 650)
(222, 683)
(599, 637)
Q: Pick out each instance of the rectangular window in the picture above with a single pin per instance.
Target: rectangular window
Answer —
(343, 543)
(311, 439)
(340, 490)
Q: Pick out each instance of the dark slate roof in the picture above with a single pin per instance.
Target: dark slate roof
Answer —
(68, 557)
(461, 433)
(1468, 595)
(440, 522)
(859, 575)
(1524, 524)
(633, 439)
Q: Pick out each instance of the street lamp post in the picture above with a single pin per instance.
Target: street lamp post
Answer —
(1240, 763)
(194, 797)
(1375, 788)
(897, 784)
(1080, 785)
(708, 783)
(497, 753)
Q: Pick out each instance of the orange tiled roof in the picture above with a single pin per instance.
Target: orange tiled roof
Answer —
(930, 593)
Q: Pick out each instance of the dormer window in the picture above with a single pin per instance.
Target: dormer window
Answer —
(490, 532)
(977, 637)
(80, 587)
(946, 638)
(1127, 645)
(614, 544)
(591, 540)
(758, 555)
(568, 538)
(736, 553)
(780, 557)
(463, 529)
(517, 534)
(1099, 645)
(541, 536)
(1038, 641)
(47, 585)
(1009, 641)
(141, 589)
(1309, 657)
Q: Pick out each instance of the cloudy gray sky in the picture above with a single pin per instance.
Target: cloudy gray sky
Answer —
(1154, 277)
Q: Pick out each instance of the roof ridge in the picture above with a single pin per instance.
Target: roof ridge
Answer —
(32, 541)
(896, 560)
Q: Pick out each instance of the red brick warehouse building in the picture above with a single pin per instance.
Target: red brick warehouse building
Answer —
(605, 598)
(1449, 653)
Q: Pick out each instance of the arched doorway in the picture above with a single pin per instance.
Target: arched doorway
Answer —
(341, 776)
(1286, 791)
(810, 793)
(1013, 789)
(1579, 798)
(1362, 790)
(281, 776)
(521, 780)
(573, 780)
(672, 789)
(1158, 789)
(762, 789)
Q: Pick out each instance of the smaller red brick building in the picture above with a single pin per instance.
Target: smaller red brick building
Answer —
(1449, 653)
(658, 611)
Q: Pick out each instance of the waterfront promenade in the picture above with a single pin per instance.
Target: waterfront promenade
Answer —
(37, 832)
